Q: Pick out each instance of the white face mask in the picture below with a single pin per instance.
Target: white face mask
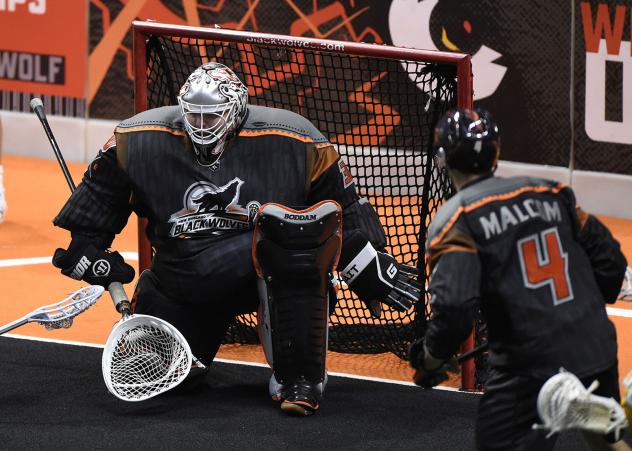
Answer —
(207, 124)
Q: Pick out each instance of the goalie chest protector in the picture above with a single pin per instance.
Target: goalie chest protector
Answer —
(267, 162)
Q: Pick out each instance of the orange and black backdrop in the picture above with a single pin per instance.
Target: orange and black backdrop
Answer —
(558, 77)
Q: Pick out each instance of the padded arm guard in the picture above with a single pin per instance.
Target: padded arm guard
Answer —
(100, 204)
(295, 253)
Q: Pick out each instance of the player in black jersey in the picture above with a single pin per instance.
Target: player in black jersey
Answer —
(243, 203)
(541, 270)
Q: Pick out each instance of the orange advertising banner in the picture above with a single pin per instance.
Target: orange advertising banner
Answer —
(44, 46)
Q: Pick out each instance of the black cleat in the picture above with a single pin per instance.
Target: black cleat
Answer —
(300, 398)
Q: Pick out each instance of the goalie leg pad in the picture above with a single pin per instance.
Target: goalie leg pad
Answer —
(295, 253)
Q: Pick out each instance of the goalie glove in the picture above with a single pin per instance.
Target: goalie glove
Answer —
(83, 261)
(377, 277)
(429, 371)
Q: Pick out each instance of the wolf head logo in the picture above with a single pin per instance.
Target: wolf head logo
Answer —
(211, 210)
(220, 199)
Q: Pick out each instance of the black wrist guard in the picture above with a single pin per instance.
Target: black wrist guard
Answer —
(83, 261)
(429, 371)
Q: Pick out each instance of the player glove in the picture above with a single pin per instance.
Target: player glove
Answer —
(84, 261)
(429, 371)
(377, 277)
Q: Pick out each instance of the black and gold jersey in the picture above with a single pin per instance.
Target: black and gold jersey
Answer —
(538, 266)
(150, 167)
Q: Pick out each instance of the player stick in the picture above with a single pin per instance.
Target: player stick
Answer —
(61, 314)
(626, 288)
(472, 353)
(564, 403)
(38, 108)
(143, 356)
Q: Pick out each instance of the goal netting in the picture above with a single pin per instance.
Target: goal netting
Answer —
(377, 104)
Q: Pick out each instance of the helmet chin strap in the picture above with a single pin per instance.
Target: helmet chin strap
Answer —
(215, 154)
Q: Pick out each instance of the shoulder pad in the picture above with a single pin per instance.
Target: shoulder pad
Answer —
(167, 119)
(451, 209)
(487, 190)
(264, 120)
(499, 186)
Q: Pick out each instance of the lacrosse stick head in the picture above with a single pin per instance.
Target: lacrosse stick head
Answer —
(61, 314)
(144, 357)
(626, 287)
(564, 403)
(626, 396)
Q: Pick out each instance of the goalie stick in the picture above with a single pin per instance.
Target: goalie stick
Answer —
(144, 355)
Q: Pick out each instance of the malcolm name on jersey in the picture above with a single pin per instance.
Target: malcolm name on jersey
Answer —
(499, 220)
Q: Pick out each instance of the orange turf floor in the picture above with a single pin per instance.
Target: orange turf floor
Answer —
(36, 190)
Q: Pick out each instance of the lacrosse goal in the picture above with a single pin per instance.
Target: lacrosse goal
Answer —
(378, 104)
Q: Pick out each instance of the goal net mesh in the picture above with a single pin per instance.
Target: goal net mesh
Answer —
(379, 113)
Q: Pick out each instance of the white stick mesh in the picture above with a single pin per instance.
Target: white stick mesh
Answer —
(564, 403)
(144, 356)
(626, 288)
(60, 315)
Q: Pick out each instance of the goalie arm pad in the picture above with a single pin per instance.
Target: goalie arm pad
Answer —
(377, 276)
(331, 179)
(100, 204)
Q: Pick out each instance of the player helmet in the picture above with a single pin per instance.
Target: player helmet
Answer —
(467, 140)
(214, 104)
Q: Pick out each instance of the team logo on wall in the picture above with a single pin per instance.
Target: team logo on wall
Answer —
(212, 210)
(607, 48)
(446, 25)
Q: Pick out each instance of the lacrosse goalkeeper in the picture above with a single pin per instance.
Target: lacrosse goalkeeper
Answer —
(244, 203)
(541, 270)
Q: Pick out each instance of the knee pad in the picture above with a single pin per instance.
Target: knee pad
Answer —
(295, 253)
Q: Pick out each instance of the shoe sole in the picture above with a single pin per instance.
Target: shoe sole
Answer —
(298, 408)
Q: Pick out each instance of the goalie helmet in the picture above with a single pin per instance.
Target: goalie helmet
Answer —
(467, 140)
(214, 103)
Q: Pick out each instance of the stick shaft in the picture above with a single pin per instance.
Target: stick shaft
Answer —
(39, 112)
(472, 353)
(13, 325)
(120, 299)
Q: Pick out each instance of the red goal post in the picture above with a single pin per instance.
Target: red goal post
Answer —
(209, 40)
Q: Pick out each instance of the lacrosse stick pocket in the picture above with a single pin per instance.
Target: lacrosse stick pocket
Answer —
(144, 357)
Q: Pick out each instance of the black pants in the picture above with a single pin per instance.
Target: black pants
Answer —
(203, 325)
(508, 409)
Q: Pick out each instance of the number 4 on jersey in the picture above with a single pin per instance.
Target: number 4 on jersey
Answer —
(544, 262)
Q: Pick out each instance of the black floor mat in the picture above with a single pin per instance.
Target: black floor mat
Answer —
(53, 396)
